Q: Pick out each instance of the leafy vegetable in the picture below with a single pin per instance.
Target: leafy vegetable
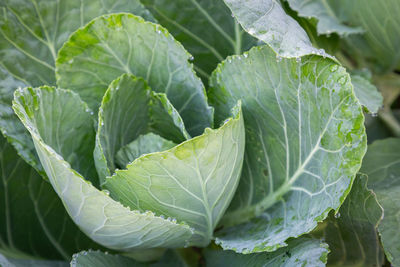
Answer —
(199, 133)
(305, 141)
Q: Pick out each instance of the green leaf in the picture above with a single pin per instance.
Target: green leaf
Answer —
(130, 109)
(112, 45)
(329, 14)
(31, 32)
(382, 165)
(305, 139)
(267, 21)
(98, 258)
(32, 218)
(100, 217)
(367, 93)
(10, 125)
(205, 28)
(192, 182)
(352, 233)
(300, 252)
(378, 46)
(10, 262)
(57, 113)
(144, 144)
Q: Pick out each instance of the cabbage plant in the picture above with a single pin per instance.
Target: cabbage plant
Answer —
(206, 133)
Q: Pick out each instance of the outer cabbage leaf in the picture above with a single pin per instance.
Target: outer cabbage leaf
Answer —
(299, 252)
(328, 13)
(128, 110)
(31, 32)
(98, 258)
(112, 45)
(305, 139)
(382, 165)
(100, 217)
(33, 220)
(205, 28)
(378, 46)
(367, 93)
(193, 182)
(267, 21)
(352, 233)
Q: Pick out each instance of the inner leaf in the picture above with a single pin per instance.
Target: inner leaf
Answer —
(144, 144)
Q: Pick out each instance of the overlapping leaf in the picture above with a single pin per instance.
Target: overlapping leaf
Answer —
(267, 21)
(31, 32)
(352, 233)
(300, 252)
(329, 15)
(100, 217)
(112, 45)
(382, 165)
(193, 182)
(304, 143)
(33, 220)
(130, 109)
(377, 46)
(97, 258)
(205, 28)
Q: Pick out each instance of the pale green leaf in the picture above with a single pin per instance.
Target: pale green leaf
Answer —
(100, 217)
(112, 45)
(382, 165)
(299, 252)
(352, 233)
(65, 123)
(205, 28)
(328, 13)
(193, 182)
(267, 21)
(32, 218)
(305, 139)
(367, 93)
(144, 144)
(31, 32)
(378, 46)
(100, 259)
(130, 109)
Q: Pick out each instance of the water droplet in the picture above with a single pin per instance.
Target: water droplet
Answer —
(278, 58)
(87, 110)
(232, 15)
(251, 31)
(173, 220)
(191, 58)
(337, 215)
(374, 114)
(334, 68)
(342, 80)
(158, 31)
(102, 123)
(106, 252)
(245, 55)
(117, 88)
(162, 216)
(298, 59)
(91, 113)
(71, 61)
(106, 192)
(229, 60)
